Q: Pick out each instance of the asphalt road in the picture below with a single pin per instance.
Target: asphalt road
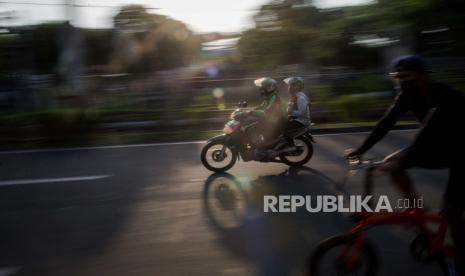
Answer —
(154, 210)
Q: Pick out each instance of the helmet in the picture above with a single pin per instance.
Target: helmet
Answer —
(268, 85)
(409, 63)
(294, 80)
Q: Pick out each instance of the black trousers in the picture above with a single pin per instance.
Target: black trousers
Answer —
(454, 197)
(454, 208)
(290, 127)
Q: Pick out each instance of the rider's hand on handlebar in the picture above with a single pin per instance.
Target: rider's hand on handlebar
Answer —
(244, 114)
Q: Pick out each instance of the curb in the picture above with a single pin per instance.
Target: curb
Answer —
(359, 129)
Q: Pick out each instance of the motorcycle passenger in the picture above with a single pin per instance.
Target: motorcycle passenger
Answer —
(270, 112)
(298, 108)
(439, 143)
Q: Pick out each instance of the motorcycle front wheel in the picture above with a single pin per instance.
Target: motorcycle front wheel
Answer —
(213, 160)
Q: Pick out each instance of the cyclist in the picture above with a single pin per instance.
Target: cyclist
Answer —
(439, 143)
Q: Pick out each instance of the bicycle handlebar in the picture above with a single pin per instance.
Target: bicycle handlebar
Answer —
(359, 163)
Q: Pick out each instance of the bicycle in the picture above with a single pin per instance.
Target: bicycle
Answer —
(358, 257)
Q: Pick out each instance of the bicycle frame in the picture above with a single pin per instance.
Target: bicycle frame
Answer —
(435, 240)
(420, 219)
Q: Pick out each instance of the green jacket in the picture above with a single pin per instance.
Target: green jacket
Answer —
(271, 110)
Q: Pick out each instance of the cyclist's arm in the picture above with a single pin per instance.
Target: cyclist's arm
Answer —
(397, 109)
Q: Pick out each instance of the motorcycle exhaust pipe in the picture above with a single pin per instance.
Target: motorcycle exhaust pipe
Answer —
(276, 153)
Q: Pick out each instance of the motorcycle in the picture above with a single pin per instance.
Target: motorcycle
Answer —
(239, 141)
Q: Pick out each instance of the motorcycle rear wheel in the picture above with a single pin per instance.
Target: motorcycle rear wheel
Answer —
(303, 142)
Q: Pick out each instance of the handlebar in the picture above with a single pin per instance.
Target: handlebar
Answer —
(359, 163)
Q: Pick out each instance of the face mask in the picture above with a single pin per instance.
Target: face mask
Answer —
(264, 93)
(408, 87)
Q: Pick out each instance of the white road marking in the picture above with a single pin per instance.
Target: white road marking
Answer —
(196, 180)
(52, 180)
(162, 144)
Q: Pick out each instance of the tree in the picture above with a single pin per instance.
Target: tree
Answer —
(288, 32)
(146, 42)
(283, 35)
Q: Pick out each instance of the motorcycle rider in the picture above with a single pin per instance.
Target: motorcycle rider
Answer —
(298, 107)
(439, 143)
(270, 112)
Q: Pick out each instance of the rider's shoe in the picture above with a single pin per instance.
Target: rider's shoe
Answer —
(260, 155)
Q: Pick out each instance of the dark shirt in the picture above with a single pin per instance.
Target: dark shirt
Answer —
(441, 112)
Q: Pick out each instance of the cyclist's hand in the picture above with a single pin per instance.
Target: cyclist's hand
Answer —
(351, 153)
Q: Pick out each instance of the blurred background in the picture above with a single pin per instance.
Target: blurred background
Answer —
(101, 72)
(95, 72)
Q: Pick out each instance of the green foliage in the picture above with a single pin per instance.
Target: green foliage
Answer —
(96, 43)
(6, 58)
(53, 123)
(359, 107)
(139, 43)
(44, 46)
(363, 84)
(68, 120)
(285, 34)
(146, 42)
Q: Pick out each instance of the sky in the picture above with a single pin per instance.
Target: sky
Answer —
(199, 15)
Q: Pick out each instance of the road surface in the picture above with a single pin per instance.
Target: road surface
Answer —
(155, 210)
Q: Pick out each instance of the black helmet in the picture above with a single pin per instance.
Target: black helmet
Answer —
(410, 63)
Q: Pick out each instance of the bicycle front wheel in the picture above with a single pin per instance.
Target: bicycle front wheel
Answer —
(339, 256)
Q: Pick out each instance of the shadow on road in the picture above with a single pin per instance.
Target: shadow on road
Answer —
(46, 227)
(276, 243)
